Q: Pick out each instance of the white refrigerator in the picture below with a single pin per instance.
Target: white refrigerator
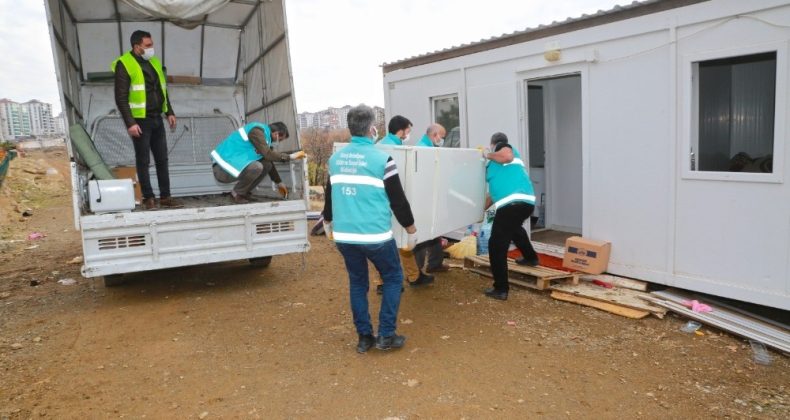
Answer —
(445, 187)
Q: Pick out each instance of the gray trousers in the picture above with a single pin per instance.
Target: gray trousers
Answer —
(248, 179)
(430, 250)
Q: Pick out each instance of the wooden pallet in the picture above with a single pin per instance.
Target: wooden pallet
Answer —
(539, 278)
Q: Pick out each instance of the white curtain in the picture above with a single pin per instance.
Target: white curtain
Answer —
(737, 105)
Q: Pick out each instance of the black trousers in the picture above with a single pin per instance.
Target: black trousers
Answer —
(508, 227)
(152, 141)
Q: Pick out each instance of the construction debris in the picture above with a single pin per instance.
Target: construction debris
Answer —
(739, 323)
(604, 306)
(617, 281)
(615, 298)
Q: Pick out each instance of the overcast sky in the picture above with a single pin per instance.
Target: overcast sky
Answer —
(337, 46)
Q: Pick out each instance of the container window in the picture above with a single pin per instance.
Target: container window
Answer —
(446, 113)
(735, 100)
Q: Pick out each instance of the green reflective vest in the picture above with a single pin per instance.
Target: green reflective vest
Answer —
(137, 85)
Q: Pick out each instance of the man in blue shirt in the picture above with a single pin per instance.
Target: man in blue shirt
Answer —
(362, 194)
(511, 192)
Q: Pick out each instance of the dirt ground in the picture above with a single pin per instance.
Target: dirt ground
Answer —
(231, 341)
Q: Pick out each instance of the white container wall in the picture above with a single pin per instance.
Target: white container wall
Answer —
(626, 150)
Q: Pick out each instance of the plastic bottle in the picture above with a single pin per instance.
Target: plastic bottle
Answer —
(760, 354)
(482, 239)
(690, 327)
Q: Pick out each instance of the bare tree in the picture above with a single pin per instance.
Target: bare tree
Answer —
(318, 144)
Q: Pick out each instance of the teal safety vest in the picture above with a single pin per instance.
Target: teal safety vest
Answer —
(236, 151)
(137, 82)
(391, 140)
(360, 206)
(509, 183)
(425, 142)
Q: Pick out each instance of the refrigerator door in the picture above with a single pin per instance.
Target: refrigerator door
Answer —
(445, 188)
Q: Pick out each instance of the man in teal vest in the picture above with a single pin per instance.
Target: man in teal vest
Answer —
(511, 192)
(433, 137)
(431, 250)
(246, 157)
(362, 194)
(141, 97)
(398, 129)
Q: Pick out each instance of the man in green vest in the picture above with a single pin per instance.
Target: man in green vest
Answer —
(141, 97)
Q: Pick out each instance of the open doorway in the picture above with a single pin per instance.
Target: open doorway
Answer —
(554, 121)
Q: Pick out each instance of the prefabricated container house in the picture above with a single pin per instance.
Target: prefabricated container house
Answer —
(227, 63)
(659, 126)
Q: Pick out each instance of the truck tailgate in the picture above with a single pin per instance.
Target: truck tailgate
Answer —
(150, 240)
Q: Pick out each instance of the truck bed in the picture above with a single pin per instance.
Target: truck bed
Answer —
(213, 200)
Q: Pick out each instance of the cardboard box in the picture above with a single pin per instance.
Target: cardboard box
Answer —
(586, 255)
(129, 172)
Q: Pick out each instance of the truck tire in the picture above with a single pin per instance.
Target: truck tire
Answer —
(113, 280)
(261, 262)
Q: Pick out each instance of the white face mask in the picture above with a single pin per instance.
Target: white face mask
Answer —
(405, 139)
(148, 53)
(374, 132)
(441, 143)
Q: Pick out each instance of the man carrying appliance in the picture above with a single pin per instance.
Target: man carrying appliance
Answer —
(362, 194)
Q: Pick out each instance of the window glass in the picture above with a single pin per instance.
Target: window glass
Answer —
(736, 100)
(445, 112)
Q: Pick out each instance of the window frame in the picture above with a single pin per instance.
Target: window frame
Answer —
(690, 113)
(457, 97)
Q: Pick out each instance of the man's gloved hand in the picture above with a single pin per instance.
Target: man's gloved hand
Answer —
(482, 150)
(297, 155)
(283, 190)
(328, 230)
(411, 241)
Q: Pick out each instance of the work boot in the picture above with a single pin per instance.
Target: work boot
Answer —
(238, 199)
(148, 203)
(169, 203)
(392, 342)
(366, 341)
(495, 294)
(251, 198)
(529, 263)
(422, 280)
(440, 269)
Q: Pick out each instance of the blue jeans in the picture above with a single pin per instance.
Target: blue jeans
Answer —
(385, 258)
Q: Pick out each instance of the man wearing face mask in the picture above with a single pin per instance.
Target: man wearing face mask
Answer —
(246, 157)
(362, 195)
(141, 97)
(433, 137)
(431, 249)
(399, 129)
